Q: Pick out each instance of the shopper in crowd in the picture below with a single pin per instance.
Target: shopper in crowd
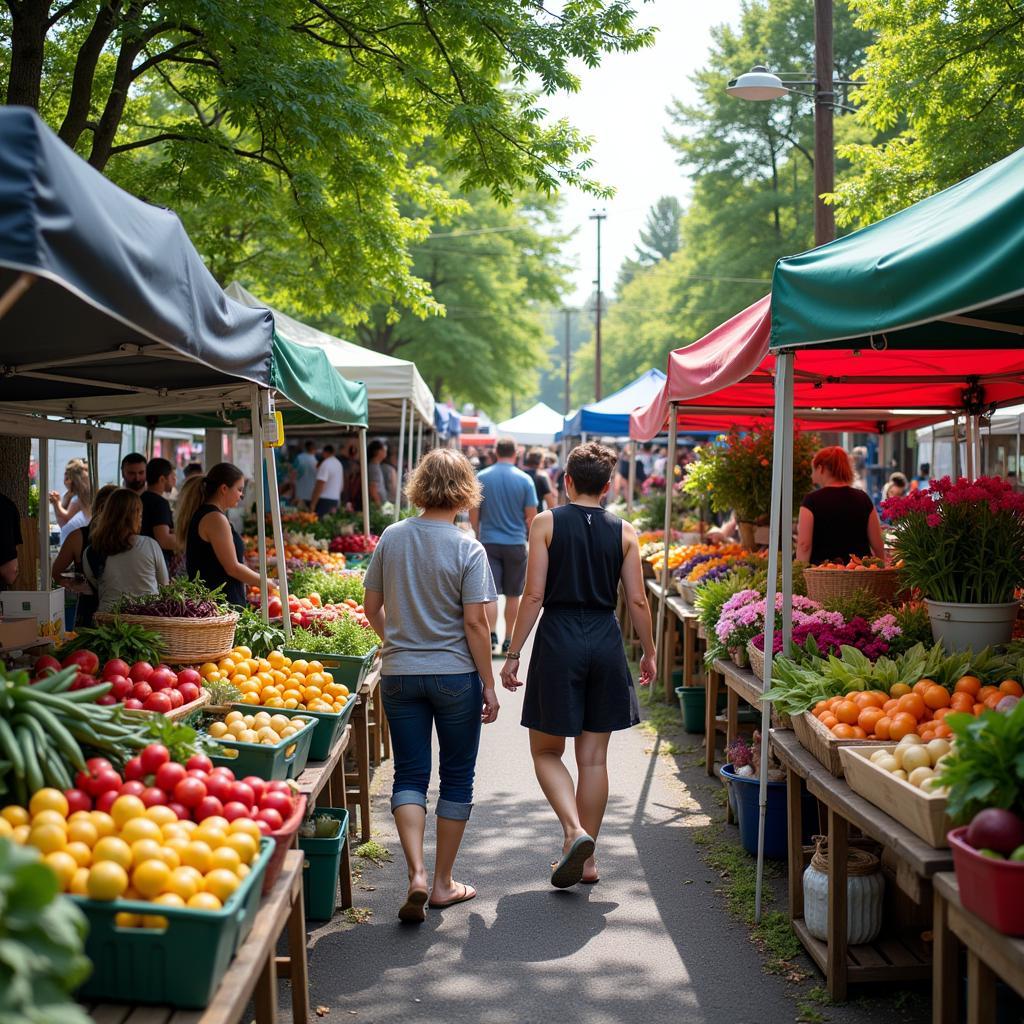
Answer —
(157, 520)
(501, 523)
(895, 486)
(191, 470)
(70, 557)
(376, 453)
(330, 479)
(133, 472)
(118, 560)
(10, 538)
(579, 683)
(837, 520)
(305, 474)
(212, 546)
(437, 670)
(923, 478)
(73, 510)
(532, 468)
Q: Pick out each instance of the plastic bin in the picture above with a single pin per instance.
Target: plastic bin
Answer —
(180, 965)
(693, 704)
(992, 889)
(329, 724)
(347, 669)
(744, 792)
(284, 839)
(322, 867)
(266, 761)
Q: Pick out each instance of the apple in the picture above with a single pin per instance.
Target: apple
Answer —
(140, 691)
(274, 607)
(116, 667)
(189, 675)
(162, 678)
(140, 671)
(157, 701)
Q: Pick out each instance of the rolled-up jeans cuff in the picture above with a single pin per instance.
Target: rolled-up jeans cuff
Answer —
(454, 811)
(408, 796)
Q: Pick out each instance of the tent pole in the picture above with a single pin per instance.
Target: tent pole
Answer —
(43, 478)
(631, 451)
(956, 446)
(398, 463)
(21, 284)
(261, 512)
(93, 458)
(1016, 465)
(409, 445)
(275, 518)
(419, 443)
(663, 659)
(783, 385)
(972, 469)
(365, 481)
(787, 515)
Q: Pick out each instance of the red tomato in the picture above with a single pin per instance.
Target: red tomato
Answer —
(242, 793)
(105, 780)
(200, 761)
(274, 607)
(94, 764)
(224, 770)
(140, 691)
(133, 768)
(189, 792)
(271, 817)
(85, 660)
(107, 700)
(106, 800)
(198, 773)
(153, 796)
(189, 675)
(133, 703)
(207, 808)
(120, 686)
(153, 756)
(280, 802)
(157, 701)
(46, 665)
(168, 775)
(277, 786)
(78, 800)
(133, 787)
(257, 785)
(175, 697)
(162, 679)
(141, 671)
(115, 667)
(233, 810)
(180, 810)
(263, 826)
(189, 692)
(220, 786)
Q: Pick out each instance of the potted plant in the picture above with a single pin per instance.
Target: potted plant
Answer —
(736, 475)
(962, 546)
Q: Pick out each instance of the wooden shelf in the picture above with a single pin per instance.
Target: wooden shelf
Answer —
(888, 958)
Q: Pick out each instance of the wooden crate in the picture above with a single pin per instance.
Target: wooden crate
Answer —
(923, 813)
(817, 740)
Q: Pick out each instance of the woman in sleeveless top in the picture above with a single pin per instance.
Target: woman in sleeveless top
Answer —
(212, 546)
(579, 683)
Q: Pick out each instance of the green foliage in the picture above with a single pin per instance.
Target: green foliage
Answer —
(42, 940)
(118, 639)
(709, 600)
(259, 636)
(344, 636)
(986, 768)
(915, 626)
(659, 239)
(333, 587)
(860, 603)
(942, 96)
(33, 501)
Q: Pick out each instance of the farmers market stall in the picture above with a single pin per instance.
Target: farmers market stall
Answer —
(538, 425)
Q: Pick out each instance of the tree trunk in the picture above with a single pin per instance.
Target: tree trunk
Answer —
(28, 36)
(85, 71)
(15, 453)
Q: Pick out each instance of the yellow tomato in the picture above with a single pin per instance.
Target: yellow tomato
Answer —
(79, 881)
(150, 877)
(197, 855)
(49, 818)
(48, 799)
(81, 852)
(207, 669)
(225, 856)
(15, 815)
(104, 823)
(183, 882)
(6, 829)
(126, 808)
(248, 826)
(140, 828)
(112, 848)
(243, 844)
(204, 901)
(221, 883)
(125, 920)
(64, 867)
(47, 838)
(107, 880)
(162, 815)
(170, 856)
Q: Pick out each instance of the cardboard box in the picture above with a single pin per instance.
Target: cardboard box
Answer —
(46, 606)
(16, 633)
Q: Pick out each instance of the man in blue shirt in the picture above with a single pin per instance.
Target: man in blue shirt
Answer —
(502, 524)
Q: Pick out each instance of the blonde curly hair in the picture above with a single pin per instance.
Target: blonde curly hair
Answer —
(444, 479)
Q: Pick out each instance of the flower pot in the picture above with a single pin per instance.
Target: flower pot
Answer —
(961, 626)
(748, 535)
(693, 704)
(745, 793)
(739, 656)
(865, 885)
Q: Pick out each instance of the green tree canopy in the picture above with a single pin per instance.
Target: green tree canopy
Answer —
(659, 239)
(943, 89)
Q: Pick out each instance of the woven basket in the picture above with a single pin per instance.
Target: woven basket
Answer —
(830, 584)
(779, 718)
(186, 641)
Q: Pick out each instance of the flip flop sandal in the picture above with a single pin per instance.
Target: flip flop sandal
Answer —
(590, 881)
(569, 870)
(412, 911)
(468, 893)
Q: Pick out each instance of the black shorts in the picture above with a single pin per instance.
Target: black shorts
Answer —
(508, 567)
(579, 679)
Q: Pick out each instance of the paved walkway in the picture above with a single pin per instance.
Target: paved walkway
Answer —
(652, 942)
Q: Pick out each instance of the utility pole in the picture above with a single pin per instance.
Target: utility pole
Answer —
(597, 216)
(824, 113)
(568, 359)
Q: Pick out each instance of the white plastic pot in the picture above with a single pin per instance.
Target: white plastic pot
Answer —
(961, 626)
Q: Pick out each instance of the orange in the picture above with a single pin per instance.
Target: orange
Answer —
(940, 713)
(315, 679)
(842, 731)
(967, 684)
(858, 733)
(847, 712)
(300, 666)
(943, 731)
(912, 704)
(937, 697)
(903, 724)
(868, 719)
(961, 701)
(891, 705)
(977, 709)
(250, 698)
(1011, 688)
(921, 685)
(899, 690)
(829, 721)
(986, 691)
(882, 727)
(993, 699)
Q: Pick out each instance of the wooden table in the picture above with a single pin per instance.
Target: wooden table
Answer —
(358, 781)
(741, 684)
(678, 614)
(323, 782)
(990, 955)
(253, 972)
(889, 957)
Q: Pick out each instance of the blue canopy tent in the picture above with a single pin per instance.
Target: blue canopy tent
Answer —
(610, 416)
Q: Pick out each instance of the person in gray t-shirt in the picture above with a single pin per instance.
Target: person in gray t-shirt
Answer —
(428, 592)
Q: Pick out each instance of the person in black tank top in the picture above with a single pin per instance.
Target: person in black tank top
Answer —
(578, 683)
(212, 546)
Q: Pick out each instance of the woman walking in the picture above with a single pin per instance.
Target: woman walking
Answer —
(579, 684)
(74, 510)
(428, 586)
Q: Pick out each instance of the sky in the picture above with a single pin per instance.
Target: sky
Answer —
(622, 104)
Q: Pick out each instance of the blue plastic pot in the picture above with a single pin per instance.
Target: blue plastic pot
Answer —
(744, 795)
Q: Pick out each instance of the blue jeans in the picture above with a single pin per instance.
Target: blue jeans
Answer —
(415, 704)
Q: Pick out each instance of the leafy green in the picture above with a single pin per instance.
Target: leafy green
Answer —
(180, 739)
(343, 636)
(333, 587)
(986, 767)
(117, 639)
(42, 939)
(180, 598)
(259, 636)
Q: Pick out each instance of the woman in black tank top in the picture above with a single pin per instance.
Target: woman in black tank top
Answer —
(578, 682)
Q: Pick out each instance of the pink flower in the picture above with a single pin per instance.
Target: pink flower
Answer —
(933, 519)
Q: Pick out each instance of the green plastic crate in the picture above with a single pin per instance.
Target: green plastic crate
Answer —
(267, 761)
(347, 669)
(321, 868)
(180, 965)
(329, 724)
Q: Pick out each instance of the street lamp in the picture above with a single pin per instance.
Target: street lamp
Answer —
(761, 84)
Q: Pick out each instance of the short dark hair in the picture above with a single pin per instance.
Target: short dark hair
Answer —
(374, 447)
(926, 468)
(898, 479)
(328, 449)
(193, 469)
(505, 448)
(590, 466)
(157, 468)
(131, 458)
(310, 445)
(534, 457)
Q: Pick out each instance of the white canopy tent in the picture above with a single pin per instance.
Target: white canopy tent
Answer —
(999, 438)
(398, 396)
(538, 425)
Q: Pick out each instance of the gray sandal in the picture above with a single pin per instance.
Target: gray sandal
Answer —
(411, 911)
(569, 870)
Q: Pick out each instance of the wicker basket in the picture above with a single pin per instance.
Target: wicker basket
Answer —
(779, 718)
(830, 584)
(187, 641)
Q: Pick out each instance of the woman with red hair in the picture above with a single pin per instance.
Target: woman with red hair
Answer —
(836, 520)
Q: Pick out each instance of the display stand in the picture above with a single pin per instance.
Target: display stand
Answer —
(741, 684)
(358, 781)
